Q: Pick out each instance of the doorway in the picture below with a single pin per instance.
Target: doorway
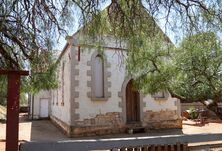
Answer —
(44, 108)
(132, 104)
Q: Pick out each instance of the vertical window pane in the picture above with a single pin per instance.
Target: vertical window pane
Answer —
(99, 77)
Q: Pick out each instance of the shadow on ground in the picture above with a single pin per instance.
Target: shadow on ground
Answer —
(44, 130)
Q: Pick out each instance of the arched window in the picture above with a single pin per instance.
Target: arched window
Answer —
(98, 76)
(99, 73)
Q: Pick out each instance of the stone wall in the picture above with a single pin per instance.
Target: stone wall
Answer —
(112, 123)
(108, 119)
(163, 119)
(97, 130)
(102, 124)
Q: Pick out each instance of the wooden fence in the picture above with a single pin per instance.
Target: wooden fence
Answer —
(176, 147)
(150, 143)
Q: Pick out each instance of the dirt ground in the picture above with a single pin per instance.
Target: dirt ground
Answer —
(44, 130)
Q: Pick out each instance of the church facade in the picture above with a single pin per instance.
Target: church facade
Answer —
(95, 96)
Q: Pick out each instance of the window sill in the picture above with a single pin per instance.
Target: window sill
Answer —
(99, 99)
(160, 99)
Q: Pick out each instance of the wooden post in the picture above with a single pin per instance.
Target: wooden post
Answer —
(78, 53)
(13, 93)
(185, 147)
(145, 148)
(123, 149)
(12, 112)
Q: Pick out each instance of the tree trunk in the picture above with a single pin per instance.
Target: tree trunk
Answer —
(209, 104)
(213, 106)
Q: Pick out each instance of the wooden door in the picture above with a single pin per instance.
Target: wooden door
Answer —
(132, 104)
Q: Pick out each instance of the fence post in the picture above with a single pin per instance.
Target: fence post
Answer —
(145, 148)
(123, 149)
(13, 94)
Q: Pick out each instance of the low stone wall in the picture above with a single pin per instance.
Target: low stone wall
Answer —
(160, 115)
(112, 123)
(108, 119)
(102, 124)
(97, 130)
(164, 119)
(167, 124)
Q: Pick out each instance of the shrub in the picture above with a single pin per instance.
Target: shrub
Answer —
(193, 113)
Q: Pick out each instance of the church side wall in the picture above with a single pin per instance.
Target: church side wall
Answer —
(60, 105)
(88, 115)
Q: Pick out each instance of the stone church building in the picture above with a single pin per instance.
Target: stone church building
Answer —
(95, 97)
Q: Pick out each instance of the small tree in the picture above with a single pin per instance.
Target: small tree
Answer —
(198, 66)
(192, 72)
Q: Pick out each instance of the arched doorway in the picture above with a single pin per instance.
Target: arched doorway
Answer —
(132, 104)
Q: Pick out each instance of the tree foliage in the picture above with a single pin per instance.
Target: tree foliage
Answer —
(191, 72)
(198, 66)
(3, 89)
(28, 30)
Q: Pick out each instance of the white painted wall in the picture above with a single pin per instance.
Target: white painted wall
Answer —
(36, 110)
(58, 110)
(87, 107)
(158, 105)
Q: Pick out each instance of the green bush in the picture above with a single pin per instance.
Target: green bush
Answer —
(193, 113)
(2, 101)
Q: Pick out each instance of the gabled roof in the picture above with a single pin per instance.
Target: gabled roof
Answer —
(146, 16)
